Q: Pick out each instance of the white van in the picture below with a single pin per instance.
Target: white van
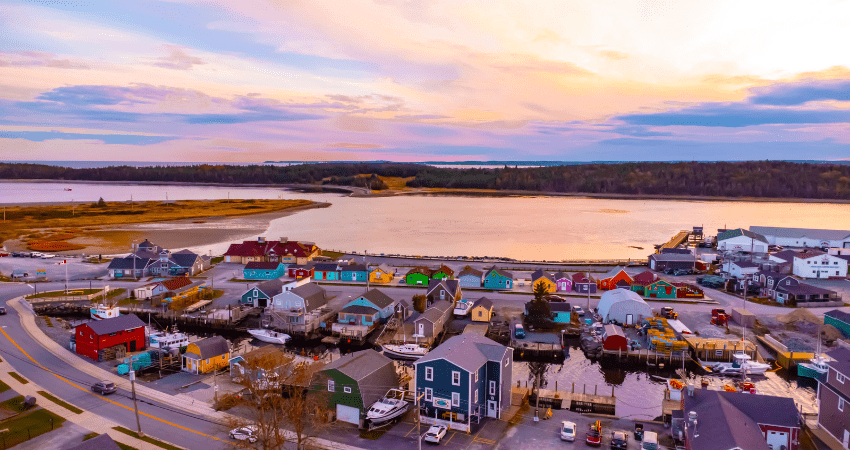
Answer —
(650, 441)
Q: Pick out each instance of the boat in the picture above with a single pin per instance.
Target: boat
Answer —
(462, 308)
(816, 368)
(165, 339)
(742, 363)
(269, 336)
(101, 311)
(389, 407)
(404, 351)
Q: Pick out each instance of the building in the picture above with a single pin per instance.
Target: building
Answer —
(498, 279)
(482, 310)
(560, 312)
(583, 283)
(284, 251)
(443, 290)
(818, 264)
(354, 383)
(740, 269)
(206, 355)
(660, 289)
(613, 338)
(563, 282)
(300, 310)
(675, 261)
(299, 271)
(642, 280)
(470, 278)
(741, 240)
(260, 270)
(381, 274)
(99, 442)
(734, 420)
(105, 339)
(175, 286)
(326, 271)
(130, 266)
(430, 324)
(544, 278)
(463, 380)
(443, 272)
(838, 319)
(804, 237)
(261, 294)
(419, 275)
(687, 290)
(834, 397)
(767, 280)
(623, 306)
(184, 262)
(791, 290)
(378, 301)
(354, 272)
(615, 278)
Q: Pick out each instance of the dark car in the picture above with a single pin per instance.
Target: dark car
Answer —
(2, 310)
(680, 272)
(619, 440)
(104, 387)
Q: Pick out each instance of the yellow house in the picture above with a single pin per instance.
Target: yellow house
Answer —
(540, 276)
(207, 354)
(381, 274)
(482, 310)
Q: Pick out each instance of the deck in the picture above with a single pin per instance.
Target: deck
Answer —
(677, 240)
(577, 401)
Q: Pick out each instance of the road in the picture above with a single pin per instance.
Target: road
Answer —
(72, 385)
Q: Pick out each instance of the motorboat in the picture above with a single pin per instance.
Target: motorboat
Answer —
(404, 351)
(165, 339)
(101, 311)
(462, 308)
(389, 407)
(272, 337)
(741, 363)
(816, 368)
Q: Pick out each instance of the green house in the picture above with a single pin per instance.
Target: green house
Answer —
(261, 294)
(418, 276)
(354, 382)
(660, 289)
(838, 319)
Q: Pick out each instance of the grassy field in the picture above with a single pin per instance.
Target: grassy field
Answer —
(61, 402)
(4, 387)
(20, 379)
(28, 426)
(51, 294)
(147, 439)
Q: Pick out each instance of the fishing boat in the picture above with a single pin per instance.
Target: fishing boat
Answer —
(272, 337)
(741, 363)
(165, 339)
(101, 311)
(816, 368)
(404, 351)
(389, 407)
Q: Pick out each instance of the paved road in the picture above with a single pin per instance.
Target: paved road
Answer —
(60, 378)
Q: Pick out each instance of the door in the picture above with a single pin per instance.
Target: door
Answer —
(629, 319)
(421, 329)
(777, 440)
(347, 414)
(846, 441)
(133, 346)
(491, 409)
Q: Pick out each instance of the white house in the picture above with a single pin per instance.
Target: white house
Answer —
(819, 265)
(804, 237)
(740, 269)
(741, 240)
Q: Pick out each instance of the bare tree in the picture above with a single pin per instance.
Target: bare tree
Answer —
(306, 411)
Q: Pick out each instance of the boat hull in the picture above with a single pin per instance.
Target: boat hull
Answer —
(389, 416)
(803, 370)
(401, 355)
(279, 339)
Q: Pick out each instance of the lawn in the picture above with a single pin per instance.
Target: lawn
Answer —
(28, 426)
(120, 445)
(4, 387)
(60, 402)
(332, 255)
(147, 439)
(62, 293)
(20, 379)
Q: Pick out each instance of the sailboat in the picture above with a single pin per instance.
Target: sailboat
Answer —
(816, 368)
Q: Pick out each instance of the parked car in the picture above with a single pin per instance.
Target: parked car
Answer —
(246, 433)
(519, 331)
(435, 434)
(36, 255)
(619, 440)
(104, 387)
(650, 441)
(2, 310)
(568, 431)
(680, 272)
(48, 255)
(577, 309)
(556, 298)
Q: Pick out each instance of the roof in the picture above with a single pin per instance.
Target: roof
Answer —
(838, 314)
(802, 289)
(441, 306)
(260, 265)
(359, 365)
(644, 278)
(271, 287)
(184, 258)
(500, 272)
(740, 232)
(449, 285)
(378, 298)
(813, 233)
(612, 273)
(483, 302)
(745, 264)
(613, 330)
(431, 315)
(581, 277)
(354, 268)
(115, 324)
(383, 268)
(840, 360)
(467, 351)
(446, 270)
(614, 296)
(673, 257)
(212, 346)
(810, 253)
(325, 267)
(681, 251)
(560, 307)
(313, 294)
(358, 309)
(173, 284)
(470, 271)
(99, 442)
(720, 425)
(560, 275)
(538, 274)
(419, 270)
(127, 263)
(785, 255)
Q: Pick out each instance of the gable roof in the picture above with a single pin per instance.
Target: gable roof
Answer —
(785, 255)
(115, 324)
(422, 270)
(445, 269)
(127, 263)
(538, 274)
(500, 272)
(561, 275)
(582, 277)
(840, 360)
(560, 307)
(673, 257)
(359, 309)
(432, 315)
(744, 264)
(359, 365)
(383, 268)
(325, 267)
(613, 272)
(801, 288)
(99, 442)
(173, 284)
(261, 265)
(813, 233)
(313, 294)
(644, 278)
(271, 287)
(483, 302)
(467, 351)
(184, 258)
(378, 298)
(354, 268)
(470, 271)
(451, 286)
(212, 346)
(729, 234)
(720, 425)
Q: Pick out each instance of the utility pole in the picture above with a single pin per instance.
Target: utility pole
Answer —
(135, 404)
(215, 383)
(417, 397)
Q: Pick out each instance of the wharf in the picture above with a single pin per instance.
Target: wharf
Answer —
(650, 357)
(784, 357)
(577, 402)
(539, 346)
(677, 240)
(718, 349)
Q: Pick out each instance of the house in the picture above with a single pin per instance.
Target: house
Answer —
(443, 290)
(356, 321)
(262, 293)
(378, 301)
(804, 237)
(258, 270)
(184, 262)
(613, 338)
(418, 275)
(544, 278)
(284, 251)
(381, 274)
(498, 279)
(299, 310)
(767, 280)
(100, 340)
(326, 271)
(298, 271)
(675, 261)
(470, 278)
(430, 324)
(720, 420)
(741, 240)
(660, 289)
(354, 272)
(354, 383)
(99, 442)
(482, 310)
(206, 355)
(583, 283)
(174, 285)
(687, 290)
(838, 319)
(740, 269)
(131, 266)
(834, 397)
(560, 312)
(443, 272)
(294, 252)
(613, 279)
(563, 282)
(818, 264)
(790, 290)
(642, 280)
(623, 306)
(463, 380)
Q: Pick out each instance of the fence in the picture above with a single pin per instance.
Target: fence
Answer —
(11, 439)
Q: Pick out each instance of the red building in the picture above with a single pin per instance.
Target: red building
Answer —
(299, 272)
(613, 338)
(95, 336)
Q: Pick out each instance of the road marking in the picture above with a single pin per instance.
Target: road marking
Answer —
(450, 437)
(411, 431)
(104, 398)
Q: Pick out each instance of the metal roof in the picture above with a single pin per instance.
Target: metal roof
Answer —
(799, 233)
(115, 324)
(740, 232)
(467, 351)
(359, 365)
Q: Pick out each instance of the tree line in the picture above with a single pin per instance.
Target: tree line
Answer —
(768, 179)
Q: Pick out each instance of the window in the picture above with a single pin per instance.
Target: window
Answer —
(455, 378)
(429, 394)
(492, 388)
(208, 360)
(839, 377)
(475, 399)
(840, 404)
(331, 386)
(476, 376)
(455, 398)
(429, 374)
(507, 361)
(347, 390)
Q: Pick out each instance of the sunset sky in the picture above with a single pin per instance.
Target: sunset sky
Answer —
(406, 80)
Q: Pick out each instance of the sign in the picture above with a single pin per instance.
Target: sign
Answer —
(443, 403)
(40, 273)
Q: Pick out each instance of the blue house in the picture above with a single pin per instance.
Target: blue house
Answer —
(463, 380)
(261, 294)
(560, 312)
(498, 279)
(376, 300)
(258, 270)
(470, 278)
(324, 271)
(838, 319)
(354, 272)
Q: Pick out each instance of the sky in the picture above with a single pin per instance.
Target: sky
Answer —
(405, 80)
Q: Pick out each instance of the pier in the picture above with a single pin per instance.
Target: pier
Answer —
(539, 347)
(677, 240)
(784, 357)
(582, 402)
(649, 357)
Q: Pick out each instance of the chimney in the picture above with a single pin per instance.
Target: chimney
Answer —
(283, 240)
(261, 240)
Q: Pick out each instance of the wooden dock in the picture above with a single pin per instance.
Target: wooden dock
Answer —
(677, 240)
(784, 357)
(719, 349)
(649, 357)
(577, 401)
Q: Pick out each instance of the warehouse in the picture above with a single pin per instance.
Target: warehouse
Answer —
(817, 264)
(741, 240)
(623, 306)
(804, 237)
(675, 261)
(106, 339)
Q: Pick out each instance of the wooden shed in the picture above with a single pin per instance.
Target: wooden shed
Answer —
(613, 338)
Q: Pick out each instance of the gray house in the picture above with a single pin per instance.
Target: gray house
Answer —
(431, 323)
(834, 398)
(300, 310)
(354, 382)
(443, 289)
(261, 294)
(463, 380)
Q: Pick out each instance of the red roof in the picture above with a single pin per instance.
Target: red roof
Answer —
(581, 277)
(644, 278)
(256, 248)
(176, 283)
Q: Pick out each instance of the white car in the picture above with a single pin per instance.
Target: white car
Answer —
(36, 255)
(48, 255)
(435, 434)
(568, 431)
(246, 433)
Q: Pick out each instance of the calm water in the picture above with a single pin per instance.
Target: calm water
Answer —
(533, 228)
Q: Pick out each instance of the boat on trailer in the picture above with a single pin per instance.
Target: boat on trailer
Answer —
(404, 351)
(391, 406)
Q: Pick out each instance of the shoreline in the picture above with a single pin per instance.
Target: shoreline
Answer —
(355, 191)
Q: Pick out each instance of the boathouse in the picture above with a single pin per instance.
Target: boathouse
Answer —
(206, 355)
(613, 338)
(261, 294)
(103, 340)
(482, 310)
(354, 382)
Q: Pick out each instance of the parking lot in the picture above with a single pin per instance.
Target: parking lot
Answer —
(77, 270)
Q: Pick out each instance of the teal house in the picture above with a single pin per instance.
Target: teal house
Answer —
(560, 312)
(353, 383)
(258, 270)
(324, 271)
(376, 300)
(498, 279)
(261, 294)
(354, 272)
(838, 319)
